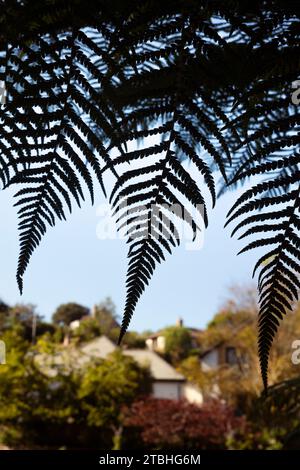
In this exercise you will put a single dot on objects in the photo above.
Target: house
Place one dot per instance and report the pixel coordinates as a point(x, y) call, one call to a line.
point(99, 347)
point(157, 341)
point(225, 352)
point(167, 383)
point(221, 354)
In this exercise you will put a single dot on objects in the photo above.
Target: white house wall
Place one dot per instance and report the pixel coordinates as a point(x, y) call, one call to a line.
point(161, 343)
point(192, 394)
point(167, 390)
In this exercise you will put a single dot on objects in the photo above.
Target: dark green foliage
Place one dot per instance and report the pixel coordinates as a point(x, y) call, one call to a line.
point(71, 406)
point(284, 397)
point(66, 313)
point(25, 317)
point(205, 82)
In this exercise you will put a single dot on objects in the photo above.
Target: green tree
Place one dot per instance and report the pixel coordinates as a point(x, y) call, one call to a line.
point(177, 343)
point(235, 325)
point(4, 313)
point(134, 340)
point(109, 387)
point(191, 369)
point(4, 307)
point(44, 404)
point(66, 313)
point(88, 329)
point(25, 315)
point(105, 314)
point(16, 386)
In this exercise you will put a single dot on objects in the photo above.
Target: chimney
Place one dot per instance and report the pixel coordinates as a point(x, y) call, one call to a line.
point(179, 322)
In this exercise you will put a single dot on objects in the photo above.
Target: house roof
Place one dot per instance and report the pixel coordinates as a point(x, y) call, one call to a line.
point(212, 348)
point(101, 347)
point(219, 343)
point(159, 368)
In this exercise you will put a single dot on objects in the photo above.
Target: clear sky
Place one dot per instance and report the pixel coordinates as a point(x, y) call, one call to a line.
point(72, 264)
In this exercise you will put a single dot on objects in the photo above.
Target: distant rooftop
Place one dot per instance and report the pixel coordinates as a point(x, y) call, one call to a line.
point(100, 348)
point(160, 369)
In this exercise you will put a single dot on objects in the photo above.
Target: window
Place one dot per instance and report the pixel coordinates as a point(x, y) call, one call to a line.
point(230, 356)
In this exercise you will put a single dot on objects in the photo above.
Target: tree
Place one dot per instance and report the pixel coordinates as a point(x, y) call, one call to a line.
point(105, 314)
point(239, 384)
point(71, 406)
point(211, 81)
point(25, 315)
point(178, 424)
point(135, 340)
point(3, 307)
point(66, 313)
point(206, 381)
point(88, 329)
point(281, 407)
point(109, 387)
point(16, 386)
point(177, 342)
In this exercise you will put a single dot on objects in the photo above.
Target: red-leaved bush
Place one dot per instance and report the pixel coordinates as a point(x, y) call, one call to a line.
point(170, 423)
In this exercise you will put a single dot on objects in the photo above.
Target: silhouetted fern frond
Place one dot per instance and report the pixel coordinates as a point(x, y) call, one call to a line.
point(52, 147)
point(157, 189)
point(159, 86)
point(149, 199)
point(275, 226)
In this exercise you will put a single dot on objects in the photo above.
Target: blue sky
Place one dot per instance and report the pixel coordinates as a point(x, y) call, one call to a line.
point(72, 264)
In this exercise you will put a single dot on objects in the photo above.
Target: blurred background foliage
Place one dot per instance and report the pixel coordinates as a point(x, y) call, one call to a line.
point(107, 404)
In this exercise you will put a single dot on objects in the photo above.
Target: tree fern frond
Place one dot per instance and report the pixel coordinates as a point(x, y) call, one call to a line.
point(148, 197)
point(52, 147)
point(162, 94)
point(278, 280)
